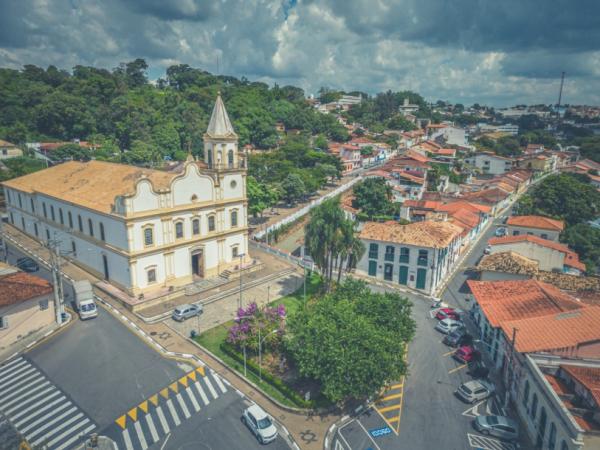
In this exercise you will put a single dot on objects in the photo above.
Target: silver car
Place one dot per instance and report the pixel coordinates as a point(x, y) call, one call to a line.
point(473, 391)
point(499, 426)
point(448, 325)
point(260, 423)
point(186, 311)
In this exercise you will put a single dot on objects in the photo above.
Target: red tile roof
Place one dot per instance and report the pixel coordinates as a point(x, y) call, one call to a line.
point(422, 204)
point(589, 377)
point(544, 223)
point(462, 204)
point(510, 300)
point(20, 286)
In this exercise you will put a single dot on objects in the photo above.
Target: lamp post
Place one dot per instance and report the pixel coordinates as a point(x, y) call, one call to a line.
point(241, 255)
point(260, 341)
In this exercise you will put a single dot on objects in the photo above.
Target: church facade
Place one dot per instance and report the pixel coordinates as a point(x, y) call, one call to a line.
point(139, 228)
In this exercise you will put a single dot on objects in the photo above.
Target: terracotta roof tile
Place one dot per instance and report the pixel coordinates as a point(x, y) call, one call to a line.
point(423, 234)
point(589, 377)
point(544, 223)
point(20, 286)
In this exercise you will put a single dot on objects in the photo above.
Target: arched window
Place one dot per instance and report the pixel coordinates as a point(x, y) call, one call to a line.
point(60, 216)
point(151, 275)
point(148, 236)
point(91, 227)
point(230, 159)
point(102, 232)
point(35, 229)
point(196, 226)
point(235, 251)
point(44, 209)
point(534, 404)
point(74, 249)
point(179, 230)
point(211, 223)
point(526, 394)
point(80, 223)
point(32, 205)
point(70, 217)
point(52, 213)
point(194, 198)
point(552, 437)
point(234, 218)
point(209, 158)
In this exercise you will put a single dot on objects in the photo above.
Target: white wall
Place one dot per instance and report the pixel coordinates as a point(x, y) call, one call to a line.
point(494, 166)
point(522, 231)
point(548, 258)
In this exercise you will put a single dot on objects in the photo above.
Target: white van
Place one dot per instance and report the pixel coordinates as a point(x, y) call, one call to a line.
point(84, 300)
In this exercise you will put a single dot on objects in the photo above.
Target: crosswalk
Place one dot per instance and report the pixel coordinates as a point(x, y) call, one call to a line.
point(37, 409)
point(145, 424)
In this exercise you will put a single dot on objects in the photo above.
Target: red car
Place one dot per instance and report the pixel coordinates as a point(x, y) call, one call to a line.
point(447, 313)
point(466, 354)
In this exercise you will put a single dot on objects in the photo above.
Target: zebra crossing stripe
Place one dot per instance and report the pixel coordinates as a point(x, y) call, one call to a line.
point(77, 436)
point(49, 424)
point(193, 399)
point(201, 392)
point(10, 376)
point(22, 381)
point(12, 363)
point(163, 420)
point(37, 388)
point(173, 413)
point(13, 377)
point(41, 419)
point(219, 383)
point(186, 411)
point(211, 388)
point(150, 423)
point(10, 411)
point(68, 432)
point(140, 435)
point(35, 405)
point(127, 439)
point(10, 368)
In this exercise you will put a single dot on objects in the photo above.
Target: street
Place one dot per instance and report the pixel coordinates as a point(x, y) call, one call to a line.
point(98, 376)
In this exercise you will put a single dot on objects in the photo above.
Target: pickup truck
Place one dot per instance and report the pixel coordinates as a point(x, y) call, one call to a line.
point(84, 300)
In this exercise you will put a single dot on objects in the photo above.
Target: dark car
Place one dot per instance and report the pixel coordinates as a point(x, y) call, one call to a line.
point(27, 265)
point(458, 338)
point(477, 369)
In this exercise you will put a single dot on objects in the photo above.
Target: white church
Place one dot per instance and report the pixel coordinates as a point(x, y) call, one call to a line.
point(140, 228)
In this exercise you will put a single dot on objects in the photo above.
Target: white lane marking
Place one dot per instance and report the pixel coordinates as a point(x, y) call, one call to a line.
point(11, 378)
point(10, 411)
point(5, 393)
point(140, 435)
point(173, 413)
point(201, 392)
point(211, 388)
point(186, 411)
point(127, 439)
point(153, 431)
point(193, 399)
point(368, 434)
point(47, 425)
point(71, 430)
point(12, 363)
point(6, 372)
point(219, 383)
point(77, 436)
point(20, 397)
point(47, 416)
point(163, 420)
point(35, 405)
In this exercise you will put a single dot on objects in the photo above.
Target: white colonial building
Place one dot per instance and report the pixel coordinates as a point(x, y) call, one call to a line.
point(142, 228)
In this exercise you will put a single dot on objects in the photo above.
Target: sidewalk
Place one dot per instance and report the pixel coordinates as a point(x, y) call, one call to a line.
point(307, 430)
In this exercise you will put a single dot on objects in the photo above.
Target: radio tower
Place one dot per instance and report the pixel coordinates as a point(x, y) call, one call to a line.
point(562, 82)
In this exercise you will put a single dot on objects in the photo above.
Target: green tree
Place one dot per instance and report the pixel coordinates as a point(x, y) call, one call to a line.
point(71, 152)
point(373, 197)
point(352, 341)
point(293, 189)
point(585, 241)
point(260, 196)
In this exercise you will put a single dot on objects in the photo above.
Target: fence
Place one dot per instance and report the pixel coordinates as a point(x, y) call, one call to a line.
point(304, 210)
point(302, 262)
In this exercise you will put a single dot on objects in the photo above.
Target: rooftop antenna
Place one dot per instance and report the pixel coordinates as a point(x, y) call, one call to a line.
point(562, 82)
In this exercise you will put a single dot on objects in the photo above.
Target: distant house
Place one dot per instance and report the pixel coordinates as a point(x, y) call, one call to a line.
point(540, 226)
point(417, 255)
point(8, 150)
point(490, 163)
point(407, 108)
point(25, 306)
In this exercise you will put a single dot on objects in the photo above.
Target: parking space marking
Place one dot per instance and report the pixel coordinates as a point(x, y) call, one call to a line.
point(391, 397)
point(486, 443)
point(389, 408)
point(449, 353)
point(396, 386)
point(456, 369)
point(368, 434)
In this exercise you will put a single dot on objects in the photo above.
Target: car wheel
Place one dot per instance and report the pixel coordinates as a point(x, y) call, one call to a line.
point(260, 439)
point(244, 421)
point(486, 432)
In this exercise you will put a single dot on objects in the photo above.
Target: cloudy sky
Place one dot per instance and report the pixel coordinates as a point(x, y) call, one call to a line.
point(499, 52)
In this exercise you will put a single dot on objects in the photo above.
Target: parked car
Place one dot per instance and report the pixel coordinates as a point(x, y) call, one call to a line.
point(438, 303)
point(473, 391)
point(465, 354)
point(448, 325)
point(499, 426)
point(501, 231)
point(487, 250)
point(184, 312)
point(27, 265)
point(458, 338)
point(260, 423)
point(477, 369)
point(447, 313)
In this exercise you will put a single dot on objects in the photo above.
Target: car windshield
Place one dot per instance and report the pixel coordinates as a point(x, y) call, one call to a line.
point(466, 389)
point(178, 311)
point(264, 423)
point(492, 420)
point(88, 307)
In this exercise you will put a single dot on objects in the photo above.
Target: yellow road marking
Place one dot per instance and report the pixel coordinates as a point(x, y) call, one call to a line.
point(184, 380)
point(121, 421)
point(144, 406)
point(456, 369)
point(390, 397)
point(133, 413)
point(388, 408)
point(449, 353)
point(174, 387)
point(165, 393)
point(200, 370)
point(396, 386)
point(154, 399)
point(192, 375)
point(393, 419)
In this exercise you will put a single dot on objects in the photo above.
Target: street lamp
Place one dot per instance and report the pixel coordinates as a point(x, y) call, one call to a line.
point(241, 255)
point(260, 341)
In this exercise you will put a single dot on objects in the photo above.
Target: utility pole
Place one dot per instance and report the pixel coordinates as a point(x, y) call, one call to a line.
point(56, 278)
point(510, 375)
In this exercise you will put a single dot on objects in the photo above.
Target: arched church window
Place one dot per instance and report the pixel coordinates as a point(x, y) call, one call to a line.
point(230, 159)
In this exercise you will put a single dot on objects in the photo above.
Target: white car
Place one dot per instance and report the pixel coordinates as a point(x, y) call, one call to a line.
point(448, 325)
point(475, 390)
point(260, 423)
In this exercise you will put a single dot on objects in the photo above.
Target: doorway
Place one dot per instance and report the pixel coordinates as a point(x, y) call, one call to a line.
point(421, 277)
point(197, 264)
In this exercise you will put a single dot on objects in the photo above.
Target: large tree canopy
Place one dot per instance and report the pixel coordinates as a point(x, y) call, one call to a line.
point(352, 340)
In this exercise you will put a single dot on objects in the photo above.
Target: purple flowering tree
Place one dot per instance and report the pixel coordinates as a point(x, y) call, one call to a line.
point(245, 330)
